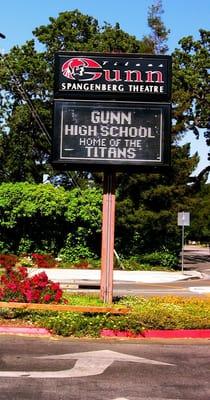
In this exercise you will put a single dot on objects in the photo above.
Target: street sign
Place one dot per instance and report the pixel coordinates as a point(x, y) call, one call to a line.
point(119, 76)
point(183, 218)
point(111, 133)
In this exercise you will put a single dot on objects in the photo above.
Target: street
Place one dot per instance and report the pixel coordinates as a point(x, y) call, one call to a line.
point(196, 258)
point(51, 369)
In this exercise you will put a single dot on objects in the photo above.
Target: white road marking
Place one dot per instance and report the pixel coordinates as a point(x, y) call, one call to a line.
point(121, 398)
point(143, 398)
point(88, 363)
point(200, 289)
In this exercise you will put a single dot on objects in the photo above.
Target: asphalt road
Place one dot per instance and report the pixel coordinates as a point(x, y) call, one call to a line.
point(192, 287)
point(46, 369)
point(195, 258)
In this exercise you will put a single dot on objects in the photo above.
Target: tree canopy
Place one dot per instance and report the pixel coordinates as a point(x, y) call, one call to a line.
point(147, 203)
point(26, 77)
point(191, 98)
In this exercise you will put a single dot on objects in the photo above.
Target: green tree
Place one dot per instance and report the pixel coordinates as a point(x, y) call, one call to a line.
point(26, 77)
point(24, 101)
point(191, 99)
point(147, 203)
point(160, 33)
point(199, 229)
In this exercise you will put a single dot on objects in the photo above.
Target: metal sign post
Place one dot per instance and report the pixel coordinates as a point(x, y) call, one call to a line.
point(107, 247)
point(183, 220)
point(182, 248)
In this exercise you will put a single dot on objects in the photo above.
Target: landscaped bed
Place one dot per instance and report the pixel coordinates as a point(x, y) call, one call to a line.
point(36, 300)
point(144, 314)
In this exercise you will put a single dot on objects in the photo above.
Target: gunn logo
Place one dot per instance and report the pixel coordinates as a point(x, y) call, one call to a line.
point(87, 69)
point(81, 69)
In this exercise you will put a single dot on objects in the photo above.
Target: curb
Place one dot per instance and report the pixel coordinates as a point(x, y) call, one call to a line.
point(24, 331)
point(109, 333)
point(159, 334)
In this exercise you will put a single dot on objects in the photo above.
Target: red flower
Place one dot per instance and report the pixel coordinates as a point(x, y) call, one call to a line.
point(54, 286)
point(58, 296)
point(47, 298)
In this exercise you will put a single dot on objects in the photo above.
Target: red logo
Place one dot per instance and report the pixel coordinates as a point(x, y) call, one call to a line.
point(81, 69)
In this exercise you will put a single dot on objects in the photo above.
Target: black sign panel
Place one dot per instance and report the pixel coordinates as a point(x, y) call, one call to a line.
point(111, 133)
point(113, 76)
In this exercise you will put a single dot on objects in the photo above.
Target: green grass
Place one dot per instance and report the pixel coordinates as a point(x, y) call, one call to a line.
point(83, 299)
point(146, 313)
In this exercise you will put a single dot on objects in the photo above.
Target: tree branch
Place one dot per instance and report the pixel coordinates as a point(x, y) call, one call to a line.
point(196, 180)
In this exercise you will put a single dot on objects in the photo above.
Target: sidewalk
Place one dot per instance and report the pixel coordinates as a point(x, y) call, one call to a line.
point(196, 262)
point(77, 276)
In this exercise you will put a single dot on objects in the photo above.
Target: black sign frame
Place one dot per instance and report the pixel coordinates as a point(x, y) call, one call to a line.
point(80, 108)
point(119, 76)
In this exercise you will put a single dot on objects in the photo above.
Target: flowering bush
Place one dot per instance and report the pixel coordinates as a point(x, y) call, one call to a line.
point(17, 286)
point(25, 261)
point(44, 260)
point(8, 261)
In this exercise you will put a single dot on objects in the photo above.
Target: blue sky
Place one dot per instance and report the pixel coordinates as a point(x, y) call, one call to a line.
point(18, 18)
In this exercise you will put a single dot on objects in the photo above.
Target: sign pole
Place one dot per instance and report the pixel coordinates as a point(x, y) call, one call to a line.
point(107, 247)
point(182, 248)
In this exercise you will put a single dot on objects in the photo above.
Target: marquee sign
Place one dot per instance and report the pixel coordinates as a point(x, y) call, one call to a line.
point(111, 133)
point(114, 76)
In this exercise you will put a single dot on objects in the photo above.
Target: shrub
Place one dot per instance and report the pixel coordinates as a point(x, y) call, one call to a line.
point(25, 246)
point(44, 260)
point(76, 248)
point(8, 261)
point(133, 264)
point(25, 261)
point(158, 260)
point(83, 324)
point(162, 258)
point(4, 247)
point(17, 286)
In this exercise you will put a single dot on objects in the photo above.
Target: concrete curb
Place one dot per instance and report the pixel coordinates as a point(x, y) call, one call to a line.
point(109, 333)
point(159, 334)
point(24, 331)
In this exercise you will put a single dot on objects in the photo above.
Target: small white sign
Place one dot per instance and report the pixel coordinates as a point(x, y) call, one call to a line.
point(183, 218)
